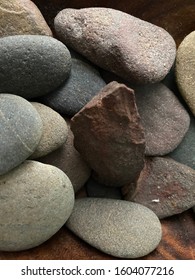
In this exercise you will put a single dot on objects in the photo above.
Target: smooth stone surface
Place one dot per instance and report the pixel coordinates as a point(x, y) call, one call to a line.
point(82, 84)
point(109, 135)
point(185, 70)
point(95, 189)
point(163, 117)
point(134, 49)
point(185, 152)
point(19, 17)
point(165, 186)
point(69, 160)
point(35, 202)
point(21, 130)
point(32, 65)
point(55, 131)
point(116, 227)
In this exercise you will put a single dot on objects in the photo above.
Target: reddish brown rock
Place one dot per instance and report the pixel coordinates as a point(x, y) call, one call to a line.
point(109, 135)
point(165, 186)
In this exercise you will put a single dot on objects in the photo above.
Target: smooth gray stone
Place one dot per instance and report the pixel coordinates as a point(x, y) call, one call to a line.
point(35, 201)
point(32, 65)
point(83, 83)
point(21, 131)
point(120, 228)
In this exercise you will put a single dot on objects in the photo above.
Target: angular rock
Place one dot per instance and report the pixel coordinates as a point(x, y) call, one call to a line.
point(109, 135)
point(136, 50)
point(165, 186)
point(21, 130)
point(163, 117)
point(55, 131)
point(185, 70)
point(68, 159)
point(35, 201)
point(185, 152)
point(19, 17)
point(116, 227)
point(32, 65)
point(82, 84)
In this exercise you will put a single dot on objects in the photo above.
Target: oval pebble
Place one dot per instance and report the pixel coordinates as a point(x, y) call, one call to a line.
point(32, 65)
point(116, 227)
point(55, 131)
point(136, 50)
point(21, 131)
point(35, 202)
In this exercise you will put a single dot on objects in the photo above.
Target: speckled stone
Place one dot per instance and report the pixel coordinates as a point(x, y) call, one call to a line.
point(19, 17)
point(32, 65)
point(136, 50)
point(109, 135)
point(35, 202)
point(55, 131)
point(21, 130)
point(163, 117)
point(68, 159)
point(185, 152)
point(185, 70)
point(165, 186)
point(82, 84)
point(116, 227)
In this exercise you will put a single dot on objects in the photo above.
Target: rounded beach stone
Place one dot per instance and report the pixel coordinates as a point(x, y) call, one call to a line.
point(35, 201)
point(32, 65)
point(163, 117)
point(82, 84)
point(55, 131)
point(120, 228)
point(21, 130)
point(68, 159)
point(21, 17)
point(136, 50)
point(185, 70)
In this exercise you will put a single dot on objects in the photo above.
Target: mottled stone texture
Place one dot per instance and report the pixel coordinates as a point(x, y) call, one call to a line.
point(130, 47)
point(165, 186)
point(109, 135)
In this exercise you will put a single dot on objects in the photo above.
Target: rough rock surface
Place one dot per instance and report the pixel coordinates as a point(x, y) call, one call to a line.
point(163, 117)
point(35, 201)
point(19, 17)
point(130, 47)
point(116, 227)
point(165, 186)
point(185, 70)
point(21, 130)
point(32, 65)
point(55, 131)
point(109, 135)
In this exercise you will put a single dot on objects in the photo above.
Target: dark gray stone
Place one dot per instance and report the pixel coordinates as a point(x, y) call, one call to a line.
point(32, 65)
point(120, 228)
point(21, 130)
point(82, 84)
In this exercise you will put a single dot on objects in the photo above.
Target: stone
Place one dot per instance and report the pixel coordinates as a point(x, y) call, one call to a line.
point(35, 202)
point(185, 152)
point(185, 70)
point(163, 117)
point(165, 186)
point(82, 84)
point(136, 50)
point(32, 65)
point(69, 160)
point(21, 131)
point(18, 17)
point(55, 131)
point(95, 189)
point(109, 135)
point(119, 228)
